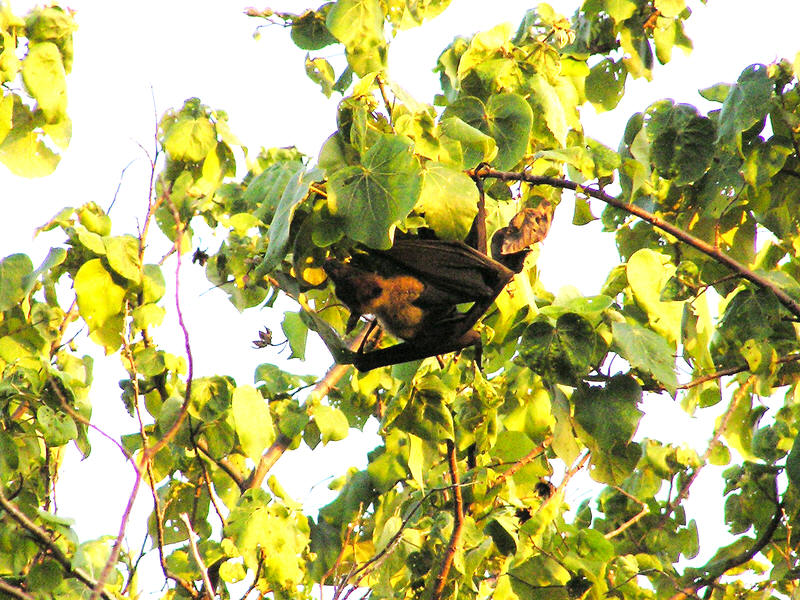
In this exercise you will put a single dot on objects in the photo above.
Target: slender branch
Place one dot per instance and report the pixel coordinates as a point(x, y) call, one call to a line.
point(222, 463)
point(696, 243)
point(683, 493)
point(458, 524)
point(732, 371)
point(268, 460)
point(282, 443)
point(196, 555)
point(14, 591)
point(528, 458)
point(633, 520)
point(735, 561)
point(115, 550)
point(165, 439)
point(43, 537)
point(389, 107)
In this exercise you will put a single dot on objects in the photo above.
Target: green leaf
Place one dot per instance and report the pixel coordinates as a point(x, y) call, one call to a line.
point(548, 108)
point(293, 194)
point(190, 139)
point(211, 397)
point(670, 8)
point(605, 84)
point(747, 103)
point(372, 197)
point(6, 110)
point(583, 212)
point(606, 419)
point(620, 10)
point(265, 191)
point(45, 79)
point(647, 351)
point(793, 463)
point(309, 31)
point(332, 423)
point(448, 201)
point(562, 353)
point(14, 273)
point(682, 141)
point(253, 421)
point(148, 315)
point(296, 332)
point(506, 117)
point(648, 273)
point(149, 362)
point(321, 72)
point(358, 24)
point(512, 446)
point(99, 297)
point(23, 150)
point(122, 254)
point(58, 428)
point(255, 524)
point(153, 285)
point(474, 145)
point(44, 577)
point(765, 160)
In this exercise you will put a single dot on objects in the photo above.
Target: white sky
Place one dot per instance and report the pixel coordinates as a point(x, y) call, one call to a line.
point(126, 54)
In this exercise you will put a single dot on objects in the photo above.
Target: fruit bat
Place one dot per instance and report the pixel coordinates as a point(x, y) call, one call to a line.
point(413, 290)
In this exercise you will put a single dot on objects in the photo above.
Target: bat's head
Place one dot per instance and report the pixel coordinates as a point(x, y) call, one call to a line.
point(355, 287)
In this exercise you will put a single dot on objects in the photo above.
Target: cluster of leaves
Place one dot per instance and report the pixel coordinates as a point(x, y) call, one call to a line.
point(457, 499)
point(35, 58)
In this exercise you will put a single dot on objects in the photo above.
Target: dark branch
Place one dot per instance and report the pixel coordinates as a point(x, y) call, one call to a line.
point(696, 243)
point(43, 538)
point(458, 524)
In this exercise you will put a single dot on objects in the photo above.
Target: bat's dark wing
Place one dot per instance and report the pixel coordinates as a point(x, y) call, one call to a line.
point(453, 273)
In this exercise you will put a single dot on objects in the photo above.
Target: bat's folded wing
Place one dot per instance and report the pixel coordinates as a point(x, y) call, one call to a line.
point(452, 272)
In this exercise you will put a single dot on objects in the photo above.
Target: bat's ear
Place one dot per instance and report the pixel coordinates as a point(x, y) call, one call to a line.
point(514, 261)
point(510, 245)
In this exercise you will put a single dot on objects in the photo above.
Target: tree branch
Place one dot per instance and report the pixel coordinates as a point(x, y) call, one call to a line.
point(734, 561)
point(43, 537)
point(634, 519)
point(732, 371)
point(458, 524)
point(14, 591)
point(196, 555)
point(791, 305)
point(282, 443)
point(718, 431)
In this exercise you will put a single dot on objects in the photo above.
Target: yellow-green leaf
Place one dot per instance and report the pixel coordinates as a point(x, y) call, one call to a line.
point(99, 297)
point(45, 79)
point(253, 421)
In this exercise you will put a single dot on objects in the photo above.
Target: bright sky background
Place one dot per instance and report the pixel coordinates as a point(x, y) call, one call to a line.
point(132, 54)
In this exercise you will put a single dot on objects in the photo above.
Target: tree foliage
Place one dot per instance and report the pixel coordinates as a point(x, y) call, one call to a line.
point(465, 497)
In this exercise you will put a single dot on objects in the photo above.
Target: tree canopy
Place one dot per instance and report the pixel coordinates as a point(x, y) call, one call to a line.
point(466, 494)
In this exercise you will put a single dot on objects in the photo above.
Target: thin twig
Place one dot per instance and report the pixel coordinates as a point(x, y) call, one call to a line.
point(683, 493)
point(115, 550)
point(14, 591)
point(196, 555)
point(43, 537)
point(734, 561)
point(528, 458)
point(165, 439)
point(458, 524)
point(633, 520)
point(732, 371)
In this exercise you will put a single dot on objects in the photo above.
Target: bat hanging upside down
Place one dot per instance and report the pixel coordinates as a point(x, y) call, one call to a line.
point(413, 289)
